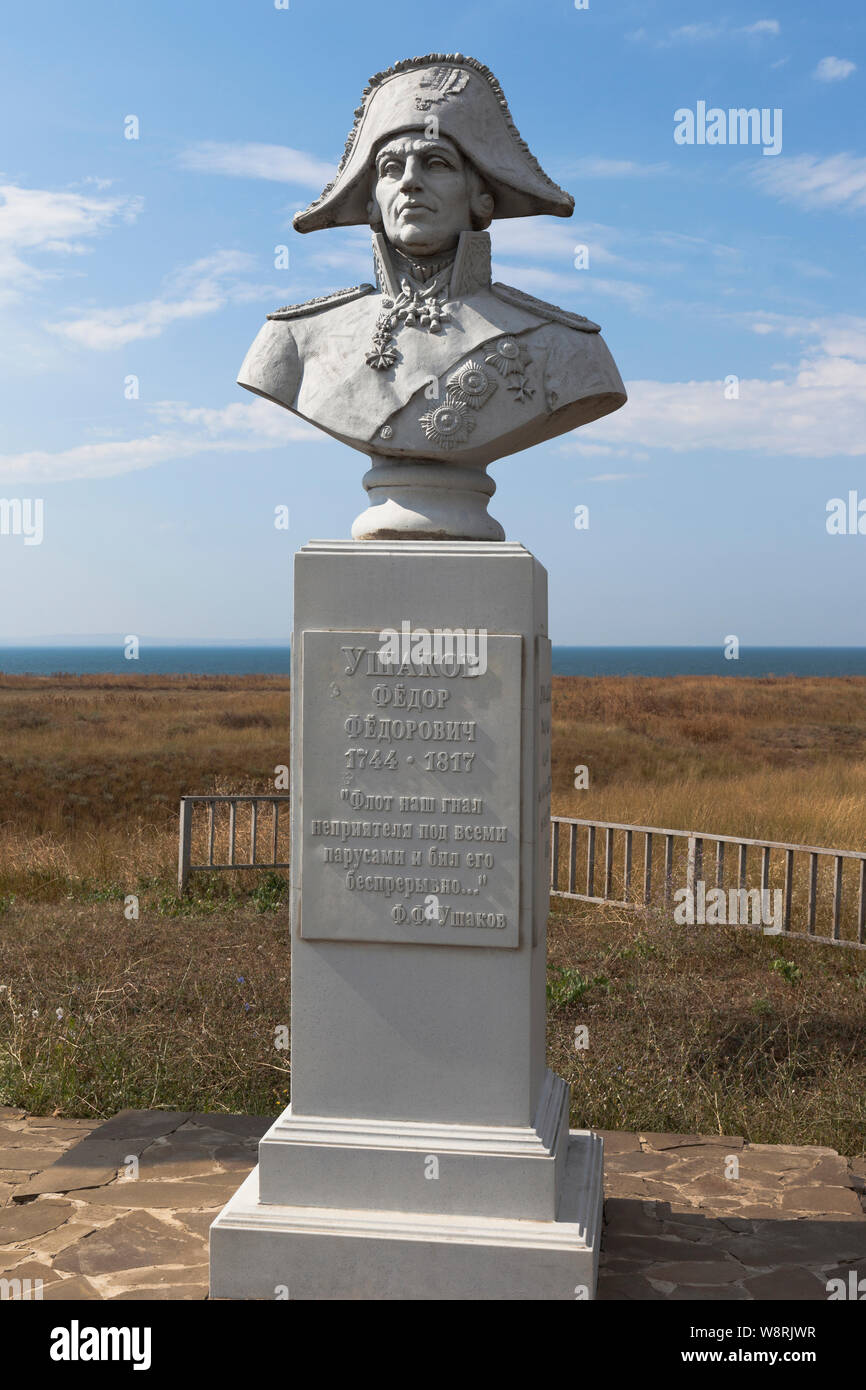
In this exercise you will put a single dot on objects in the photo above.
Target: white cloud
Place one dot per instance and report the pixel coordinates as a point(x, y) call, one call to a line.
point(192, 292)
point(837, 181)
point(834, 69)
point(93, 460)
point(613, 477)
point(39, 221)
point(763, 26)
point(623, 264)
point(279, 163)
point(556, 241)
point(345, 251)
point(816, 411)
point(357, 264)
point(843, 336)
point(556, 282)
point(550, 250)
point(262, 423)
point(557, 245)
point(707, 32)
point(240, 427)
point(811, 269)
point(697, 32)
point(112, 328)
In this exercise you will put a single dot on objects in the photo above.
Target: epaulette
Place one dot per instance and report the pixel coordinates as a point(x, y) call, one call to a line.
point(540, 306)
point(324, 301)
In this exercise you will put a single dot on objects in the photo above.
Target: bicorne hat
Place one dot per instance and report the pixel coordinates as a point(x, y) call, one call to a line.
point(470, 109)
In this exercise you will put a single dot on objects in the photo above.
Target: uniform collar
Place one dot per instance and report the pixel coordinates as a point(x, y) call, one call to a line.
point(423, 272)
point(470, 270)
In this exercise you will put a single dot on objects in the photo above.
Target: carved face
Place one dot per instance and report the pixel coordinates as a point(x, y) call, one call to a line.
point(426, 194)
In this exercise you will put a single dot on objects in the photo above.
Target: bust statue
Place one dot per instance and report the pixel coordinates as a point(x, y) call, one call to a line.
point(434, 371)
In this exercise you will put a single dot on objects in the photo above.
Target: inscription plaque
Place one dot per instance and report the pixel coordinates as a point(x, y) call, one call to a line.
point(410, 794)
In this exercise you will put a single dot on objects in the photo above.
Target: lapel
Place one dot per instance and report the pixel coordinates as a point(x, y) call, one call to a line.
point(341, 393)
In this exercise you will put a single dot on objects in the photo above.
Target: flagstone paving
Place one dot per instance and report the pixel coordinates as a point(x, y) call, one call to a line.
point(710, 1217)
point(121, 1210)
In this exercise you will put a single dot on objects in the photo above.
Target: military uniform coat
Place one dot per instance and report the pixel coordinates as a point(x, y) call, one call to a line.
point(458, 370)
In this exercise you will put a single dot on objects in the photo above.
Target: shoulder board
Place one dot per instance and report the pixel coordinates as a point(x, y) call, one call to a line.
point(541, 307)
point(324, 301)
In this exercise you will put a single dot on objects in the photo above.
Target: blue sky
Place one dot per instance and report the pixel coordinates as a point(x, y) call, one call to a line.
point(155, 258)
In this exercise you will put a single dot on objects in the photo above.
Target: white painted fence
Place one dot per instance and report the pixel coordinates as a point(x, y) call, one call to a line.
point(823, 891)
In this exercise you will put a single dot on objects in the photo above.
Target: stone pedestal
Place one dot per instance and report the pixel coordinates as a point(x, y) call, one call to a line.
point(426, 1153)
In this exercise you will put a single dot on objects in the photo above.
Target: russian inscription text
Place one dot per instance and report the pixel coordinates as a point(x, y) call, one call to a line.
point(392, 849)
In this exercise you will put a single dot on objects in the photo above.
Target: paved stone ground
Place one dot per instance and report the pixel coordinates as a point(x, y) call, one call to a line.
point(683, 1221)
point(74, 1214)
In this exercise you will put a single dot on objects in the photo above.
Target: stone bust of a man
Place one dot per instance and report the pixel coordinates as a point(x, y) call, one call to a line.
point(434, 371)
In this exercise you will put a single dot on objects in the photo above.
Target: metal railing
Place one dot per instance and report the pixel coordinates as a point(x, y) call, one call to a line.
point(833, 879)
point(219, 832)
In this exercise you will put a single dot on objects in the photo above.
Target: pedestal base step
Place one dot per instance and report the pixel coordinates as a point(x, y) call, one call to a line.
point(378, 1165)
point(260, 1251)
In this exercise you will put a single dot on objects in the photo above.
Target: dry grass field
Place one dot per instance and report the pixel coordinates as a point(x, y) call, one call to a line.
point(689, 1029)
point(92, 770)
point(92, 767)
point(775, 758)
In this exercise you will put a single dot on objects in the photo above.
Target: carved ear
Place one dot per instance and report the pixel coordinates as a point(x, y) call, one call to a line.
point(374, 216)
point(482, 206)
point(481, 202)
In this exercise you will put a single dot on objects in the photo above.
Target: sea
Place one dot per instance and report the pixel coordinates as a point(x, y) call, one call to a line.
point(243, 659)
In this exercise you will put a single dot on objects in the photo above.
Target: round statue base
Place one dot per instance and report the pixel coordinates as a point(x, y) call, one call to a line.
point(426, 501)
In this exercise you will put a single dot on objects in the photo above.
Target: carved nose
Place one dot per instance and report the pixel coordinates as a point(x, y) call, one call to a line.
point(410, 179)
